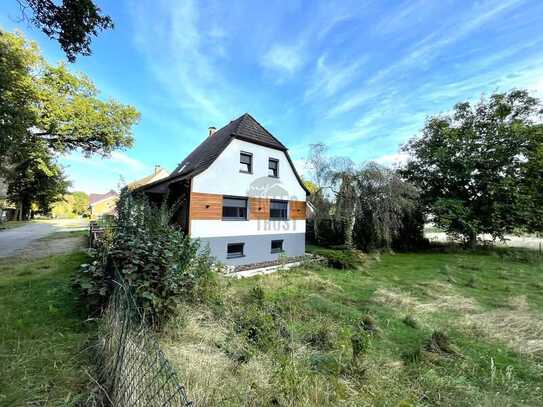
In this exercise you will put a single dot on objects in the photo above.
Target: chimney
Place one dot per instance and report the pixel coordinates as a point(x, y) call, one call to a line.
point(157, 169)
point(211, 131)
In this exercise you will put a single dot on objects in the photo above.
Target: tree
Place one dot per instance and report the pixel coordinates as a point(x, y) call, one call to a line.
point(47, 110)
point(80, 204)
point(72, 23)
point(480, 169)
point(387, 209)
point(37, 180)
point(321, 171)
point(345, 189)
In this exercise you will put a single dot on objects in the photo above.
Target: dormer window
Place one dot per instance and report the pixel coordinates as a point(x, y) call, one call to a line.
point(273, 167)
point(246, 162)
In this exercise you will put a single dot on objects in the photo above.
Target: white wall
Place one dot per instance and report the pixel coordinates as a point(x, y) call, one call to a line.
point(212, 228)
point(223, 176)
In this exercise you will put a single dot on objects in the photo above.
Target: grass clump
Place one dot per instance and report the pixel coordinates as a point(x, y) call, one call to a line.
point(410, 321)
point(440, 343)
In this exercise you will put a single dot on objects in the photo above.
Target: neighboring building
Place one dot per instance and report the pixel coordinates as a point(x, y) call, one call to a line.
point(102, 204)
point(239, 193)
point(158, 174)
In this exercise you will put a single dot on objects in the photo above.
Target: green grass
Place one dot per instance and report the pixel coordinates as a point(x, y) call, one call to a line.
point(42, 335)
point(288, 338)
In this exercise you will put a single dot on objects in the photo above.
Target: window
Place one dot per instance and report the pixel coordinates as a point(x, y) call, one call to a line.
point(273, 167)
point(276, 246)
point(246, 161)
point(278, 209)
point(234, 208)
point(234, 250)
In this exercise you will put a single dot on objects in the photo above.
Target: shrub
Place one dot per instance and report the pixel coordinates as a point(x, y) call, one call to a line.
point(160, 265)
point(257, 326)
point(343, 259)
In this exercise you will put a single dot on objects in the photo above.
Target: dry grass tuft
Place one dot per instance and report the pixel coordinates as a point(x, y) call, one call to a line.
point(441, 299)
point(516, 325)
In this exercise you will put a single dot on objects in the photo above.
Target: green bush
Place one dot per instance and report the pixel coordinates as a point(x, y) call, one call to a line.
point(257, 326)
point(161, 266)
point(342, 259)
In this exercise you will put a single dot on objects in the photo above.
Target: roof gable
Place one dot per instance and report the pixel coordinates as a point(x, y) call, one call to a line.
point(245, 128)
point(95, 198)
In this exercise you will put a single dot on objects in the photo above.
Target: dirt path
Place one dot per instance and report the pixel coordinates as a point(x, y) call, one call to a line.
point(25, 240)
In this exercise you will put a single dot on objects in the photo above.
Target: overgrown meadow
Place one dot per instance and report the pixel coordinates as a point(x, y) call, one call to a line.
point(441, 327)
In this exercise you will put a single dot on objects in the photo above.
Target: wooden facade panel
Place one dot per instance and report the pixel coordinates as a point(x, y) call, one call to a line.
point(205, 206)
point(259, 208)
point(297, 210)
point(209, 207)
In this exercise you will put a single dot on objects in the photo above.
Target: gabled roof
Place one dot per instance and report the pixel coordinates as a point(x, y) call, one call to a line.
point(244, 128)
point(158, 174)
point(95, 198)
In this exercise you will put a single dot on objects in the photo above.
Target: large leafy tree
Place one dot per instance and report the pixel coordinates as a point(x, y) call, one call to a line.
point(71, 22)
point(47, 110)
point(480, 169)
point(39, 181)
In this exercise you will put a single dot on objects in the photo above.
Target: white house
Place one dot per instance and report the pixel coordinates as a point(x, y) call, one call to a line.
point(239, 193)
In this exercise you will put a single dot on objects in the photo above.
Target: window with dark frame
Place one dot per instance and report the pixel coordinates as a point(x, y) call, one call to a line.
point(277, 246)
point(273, 167)
point(246, 162)
point(234, 250)
point(278, 209)
point(234, 208)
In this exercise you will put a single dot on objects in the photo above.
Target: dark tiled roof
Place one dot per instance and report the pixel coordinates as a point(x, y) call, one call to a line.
point(93, 198)
point(244, 128)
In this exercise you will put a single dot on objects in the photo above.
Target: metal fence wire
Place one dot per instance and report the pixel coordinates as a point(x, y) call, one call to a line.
point(134, 369)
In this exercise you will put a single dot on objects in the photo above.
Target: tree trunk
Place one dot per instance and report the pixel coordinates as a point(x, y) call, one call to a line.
point(25, 209)
point(471, 243)
point(316, 229)
point(19, 211)
point(349, 227)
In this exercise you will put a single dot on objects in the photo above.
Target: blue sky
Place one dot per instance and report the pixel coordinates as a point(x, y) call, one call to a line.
point(358, 76)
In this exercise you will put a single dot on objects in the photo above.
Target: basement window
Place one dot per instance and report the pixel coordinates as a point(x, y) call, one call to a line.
point(234, 250)
point(277, 246)
point(234, 208)
point(246, 162)
point(278, 210)
point(273, 168)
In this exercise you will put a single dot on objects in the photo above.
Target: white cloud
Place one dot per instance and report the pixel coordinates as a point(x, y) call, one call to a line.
point(182, 55)
point(391, 160)
point(283, 58)
point(123, 159)
point(328, 79)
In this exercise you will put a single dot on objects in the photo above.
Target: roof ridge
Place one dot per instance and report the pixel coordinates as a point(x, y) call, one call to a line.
point(245, 115)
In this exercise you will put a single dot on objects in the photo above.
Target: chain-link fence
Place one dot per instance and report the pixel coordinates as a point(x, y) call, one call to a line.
point(134, 370)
